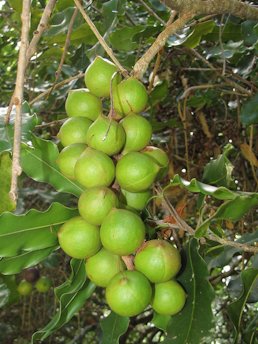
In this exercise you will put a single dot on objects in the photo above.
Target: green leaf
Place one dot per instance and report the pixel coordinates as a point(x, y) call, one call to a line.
point(113, 326)
point(123, 39)
point(6, 204)
point(11, 285)
point(236, 308)
point(32, 231)
point(161, 321)
point(72, 296)
point(219, 171)
point(4, 294)
point(229, 32)
point(29, 121)
point(232, 210)
point(14, 265)
point(221, 192)
point(200, 30)
point(249, 111)
point(159, 93)
point(224, 257)
point(195, 320)
point(39, 163)
point(110, 10)
point(16, 5)
point(249, 34)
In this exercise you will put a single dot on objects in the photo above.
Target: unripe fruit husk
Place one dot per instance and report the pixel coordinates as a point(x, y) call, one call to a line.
point(98, 76)
point(24, 288)
point(136, 200)
point(103, 266)
point(169, 298)
point(82, 103)
point(74, 130)
point(106, 135)
point(160, 157)
point(158, 260)
point(95, 204)
point(122, 232)
point(94, 168)
point(135, 172)
point(68, 157)
point(43, 284)
point(78, 238)
point(138, 133)
point(128, 293)
point(129, 97)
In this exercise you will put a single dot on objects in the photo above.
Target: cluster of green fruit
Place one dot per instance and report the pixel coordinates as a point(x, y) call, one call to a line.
point(32, 278)
point(113, 151)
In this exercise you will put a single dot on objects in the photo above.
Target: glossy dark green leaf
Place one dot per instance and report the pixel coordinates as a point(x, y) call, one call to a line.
point(4, 294)
point(32, 231)
point(11, 285)
point(194, 322)
point(159, 93)
point(15, 264)
point(72, 296)
point(113, 326)
point(110, 10)
point(249, 111)
point(39, 162)
point(236, 308)
point(219, 171)
point(249, 33)
point(199, 30)
point(229, 32)
point(6, 203)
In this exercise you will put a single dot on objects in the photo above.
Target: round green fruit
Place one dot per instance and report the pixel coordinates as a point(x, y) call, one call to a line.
point(102, 267)
point(43, 284)
point(74, 130)
point(94, 168)
point(95, 204)
point(128, 293)
point(135, 172)
point(169, 298)
point(136, 200)
point(160, 157)
point(122, 232)
point(106, 136)
point(78, 238)
point(82, 103)
point(68, 157)
point(129, 96)
point(158, 260)
point(24, 288)
point(98, 76)
point(138, 133)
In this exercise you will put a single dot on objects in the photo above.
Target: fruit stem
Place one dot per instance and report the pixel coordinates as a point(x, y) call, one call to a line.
point(128, 260)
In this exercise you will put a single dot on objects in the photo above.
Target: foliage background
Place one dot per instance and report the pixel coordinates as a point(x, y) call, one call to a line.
point(203, 109)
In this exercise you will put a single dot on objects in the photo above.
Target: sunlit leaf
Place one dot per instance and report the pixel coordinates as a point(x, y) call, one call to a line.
point(113, 326)
point(6, 203)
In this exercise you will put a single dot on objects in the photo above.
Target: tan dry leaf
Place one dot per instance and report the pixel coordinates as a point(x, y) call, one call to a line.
point(248, 154)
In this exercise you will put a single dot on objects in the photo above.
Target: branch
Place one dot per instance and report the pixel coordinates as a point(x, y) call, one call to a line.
point(186, 228)
point(142, 64)
point(101, 40)
point(66, 46)
point(17, 97)
point(40, 29)
point(58, 85)
point(234, 7)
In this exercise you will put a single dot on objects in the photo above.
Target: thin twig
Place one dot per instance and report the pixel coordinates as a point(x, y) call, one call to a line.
point(66, 46)
point(143, 63)
point(18, 98)
point(150, 10)
point(185, 227)
point(40, 29)
point(58, 85)
point(101, 40)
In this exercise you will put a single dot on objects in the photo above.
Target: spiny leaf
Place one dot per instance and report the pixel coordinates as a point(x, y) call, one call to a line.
point(113, 327)
point(6, 204)
point(236, 308)
point(196, 319)
point(15, 264)
point(72, 296)
point(32, 231)
point(39, 163)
